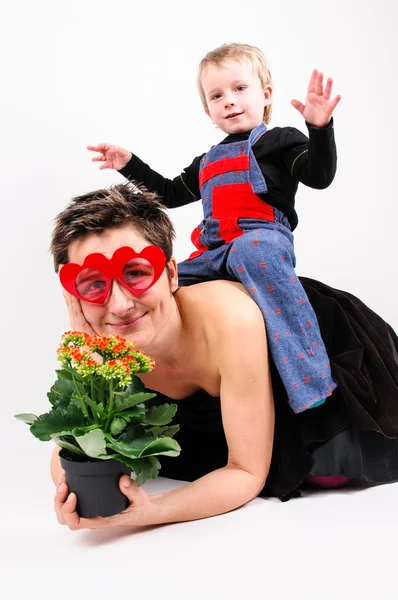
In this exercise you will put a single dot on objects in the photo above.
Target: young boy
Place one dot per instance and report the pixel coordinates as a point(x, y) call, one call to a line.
point(247, 184)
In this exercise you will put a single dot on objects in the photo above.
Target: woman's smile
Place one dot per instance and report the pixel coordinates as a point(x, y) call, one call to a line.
point(129, 324)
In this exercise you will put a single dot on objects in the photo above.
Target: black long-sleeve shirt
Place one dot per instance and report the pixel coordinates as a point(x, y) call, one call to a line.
point(285, 156)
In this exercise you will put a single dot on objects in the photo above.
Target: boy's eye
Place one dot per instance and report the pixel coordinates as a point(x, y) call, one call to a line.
point(215, 96)
point(240, 88)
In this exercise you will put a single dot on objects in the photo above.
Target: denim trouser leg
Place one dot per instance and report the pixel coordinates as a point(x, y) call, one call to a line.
point(263, 260)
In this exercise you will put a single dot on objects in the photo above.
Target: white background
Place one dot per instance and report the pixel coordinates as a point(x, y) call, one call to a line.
point(85, 72)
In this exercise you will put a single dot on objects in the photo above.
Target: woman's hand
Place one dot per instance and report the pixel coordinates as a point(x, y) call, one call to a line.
point(318, 108)
point(78, 321)
point(112, 157)
point(135, 515)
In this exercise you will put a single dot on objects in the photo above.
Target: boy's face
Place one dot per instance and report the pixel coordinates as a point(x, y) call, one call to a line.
point(235, 96)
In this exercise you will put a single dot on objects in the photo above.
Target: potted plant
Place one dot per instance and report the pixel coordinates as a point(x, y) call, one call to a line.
point(101, 420)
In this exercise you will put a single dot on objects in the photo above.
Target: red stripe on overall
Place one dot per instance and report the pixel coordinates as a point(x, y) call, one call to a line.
point(225, 165)
point(238, 201)
point(231, 202)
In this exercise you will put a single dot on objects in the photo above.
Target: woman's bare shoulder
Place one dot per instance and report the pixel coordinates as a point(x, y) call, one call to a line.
point(222, 301)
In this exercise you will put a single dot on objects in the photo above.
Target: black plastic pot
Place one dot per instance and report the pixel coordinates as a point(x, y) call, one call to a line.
point(95, 483)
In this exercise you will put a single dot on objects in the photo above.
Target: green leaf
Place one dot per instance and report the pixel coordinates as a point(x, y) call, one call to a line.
point(80, 431)
point(65, 402)
point(164, 445)
point(161, 414)
point(163, 431)
point(125, 400)
point(52, 397)
point(64, 374)
point(59, 419)
point(68, 444)
point(146, 446)
point(64, 387)
point(144, 468)
point(136, 385)
point(132, 433)
point(92, 443)
point(117, 426)
point(28, 418)
point(129, 415)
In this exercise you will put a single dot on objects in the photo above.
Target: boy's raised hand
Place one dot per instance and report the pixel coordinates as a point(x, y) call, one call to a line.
point(318, 107)
point(112, 157)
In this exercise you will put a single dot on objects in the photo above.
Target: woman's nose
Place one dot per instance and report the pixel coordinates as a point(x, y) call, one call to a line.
point(120, 300)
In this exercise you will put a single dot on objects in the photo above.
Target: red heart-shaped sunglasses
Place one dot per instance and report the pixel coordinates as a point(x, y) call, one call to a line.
point(92, 280)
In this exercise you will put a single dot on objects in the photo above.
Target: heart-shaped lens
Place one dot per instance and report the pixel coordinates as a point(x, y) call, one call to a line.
point(90, 284)
point(138, 273)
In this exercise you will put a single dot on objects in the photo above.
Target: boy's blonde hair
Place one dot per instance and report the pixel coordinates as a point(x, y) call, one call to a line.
point(238, 52)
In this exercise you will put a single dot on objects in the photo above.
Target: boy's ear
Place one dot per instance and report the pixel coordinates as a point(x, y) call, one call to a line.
point(267, 94)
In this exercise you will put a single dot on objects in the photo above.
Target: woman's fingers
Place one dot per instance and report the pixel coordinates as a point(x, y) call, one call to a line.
point(69, 514)
point(65, 509)
point(65, 506)
point(72, 310)
point(77, 319)
point(61, 495)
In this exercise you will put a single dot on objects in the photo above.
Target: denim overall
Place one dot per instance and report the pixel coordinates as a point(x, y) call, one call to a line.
point(243, 238)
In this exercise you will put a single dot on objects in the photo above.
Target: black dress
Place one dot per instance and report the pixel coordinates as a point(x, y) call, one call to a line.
point(354, 433)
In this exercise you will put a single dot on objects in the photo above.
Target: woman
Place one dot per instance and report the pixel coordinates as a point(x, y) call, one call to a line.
point(210, 349)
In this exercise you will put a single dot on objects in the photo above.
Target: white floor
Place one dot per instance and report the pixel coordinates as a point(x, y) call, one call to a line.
point(327, 544)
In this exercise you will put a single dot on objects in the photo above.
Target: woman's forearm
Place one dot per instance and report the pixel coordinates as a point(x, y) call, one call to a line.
point(216, 493)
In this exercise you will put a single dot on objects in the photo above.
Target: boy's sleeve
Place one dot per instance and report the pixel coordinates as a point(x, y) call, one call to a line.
point(312, 160)
point(173, 192)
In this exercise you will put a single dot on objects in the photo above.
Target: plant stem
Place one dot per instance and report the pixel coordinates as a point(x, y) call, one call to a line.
point(101, 394)
point(110, 406)
point(82, 402)
point(93, 411)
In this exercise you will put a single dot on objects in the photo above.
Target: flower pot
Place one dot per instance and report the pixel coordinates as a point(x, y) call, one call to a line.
point(95, 483)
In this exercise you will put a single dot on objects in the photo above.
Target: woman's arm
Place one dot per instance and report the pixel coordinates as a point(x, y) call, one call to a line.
point(248, 418)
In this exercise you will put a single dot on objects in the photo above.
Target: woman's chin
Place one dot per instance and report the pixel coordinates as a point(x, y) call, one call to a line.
point(138, 337)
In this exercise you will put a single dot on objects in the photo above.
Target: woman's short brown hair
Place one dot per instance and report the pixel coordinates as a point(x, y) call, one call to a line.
point(118, 206)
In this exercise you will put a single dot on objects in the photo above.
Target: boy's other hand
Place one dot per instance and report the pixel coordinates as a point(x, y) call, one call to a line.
point(112, 157)
point(318, 107)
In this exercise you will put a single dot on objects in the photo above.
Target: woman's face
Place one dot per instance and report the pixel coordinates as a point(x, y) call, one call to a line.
point(139, 319)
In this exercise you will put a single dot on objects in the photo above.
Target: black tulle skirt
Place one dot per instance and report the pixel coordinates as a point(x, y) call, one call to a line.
point(354, 434)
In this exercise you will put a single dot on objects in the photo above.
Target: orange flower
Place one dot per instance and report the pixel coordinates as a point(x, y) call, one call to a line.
point(120, 359)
